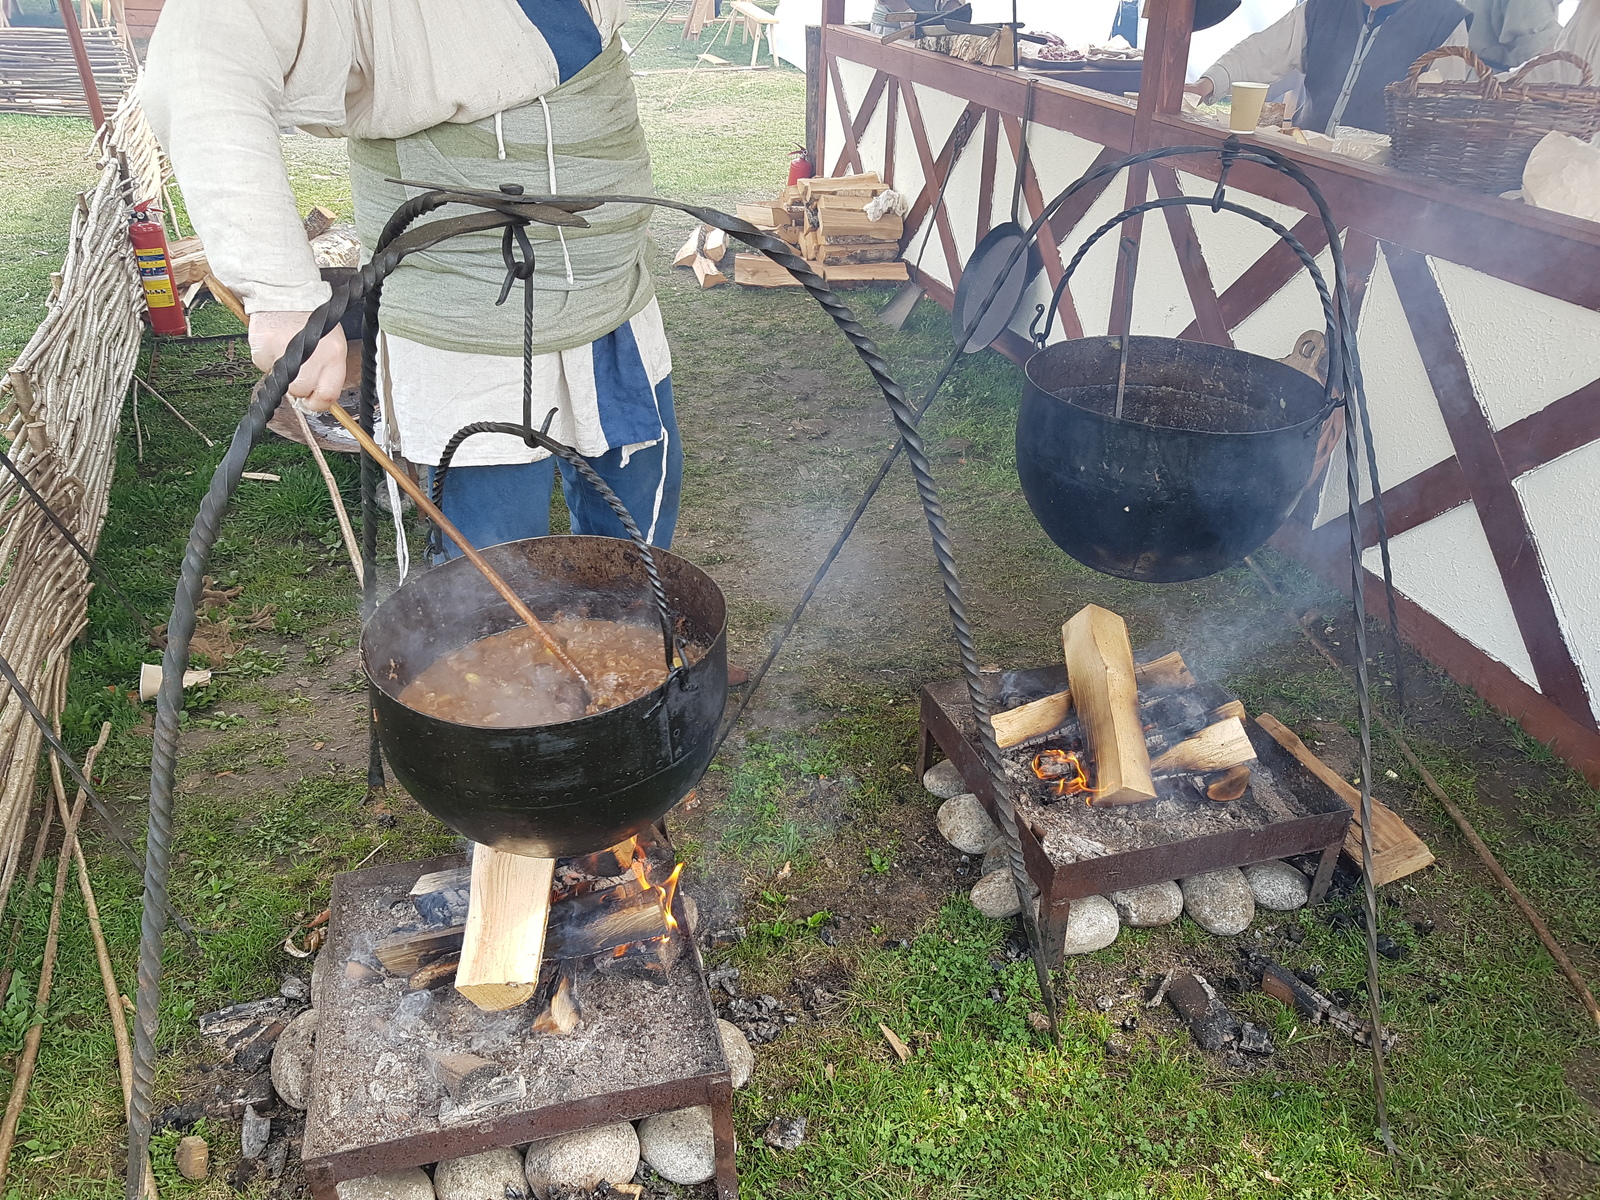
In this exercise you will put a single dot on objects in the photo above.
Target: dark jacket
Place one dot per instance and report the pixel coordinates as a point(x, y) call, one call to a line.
point(1403, 32)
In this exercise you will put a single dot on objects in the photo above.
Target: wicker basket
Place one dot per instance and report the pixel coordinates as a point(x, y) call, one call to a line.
point(1478, 134)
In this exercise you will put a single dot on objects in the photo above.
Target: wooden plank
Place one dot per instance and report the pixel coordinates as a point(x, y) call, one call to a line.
point(1264, 278)
point(1099, 662)
point(1396, 850)
point(1192, 261)
point(504, 936)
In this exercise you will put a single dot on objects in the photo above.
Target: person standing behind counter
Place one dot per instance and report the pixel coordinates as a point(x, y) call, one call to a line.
point(1349, 50)
point(1507, 33)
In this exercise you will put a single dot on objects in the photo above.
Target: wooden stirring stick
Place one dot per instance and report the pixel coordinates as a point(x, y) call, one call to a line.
point(443, 522)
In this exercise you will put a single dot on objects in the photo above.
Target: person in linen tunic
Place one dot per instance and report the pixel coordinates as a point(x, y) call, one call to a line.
point(474, 93)
point(1349, 51)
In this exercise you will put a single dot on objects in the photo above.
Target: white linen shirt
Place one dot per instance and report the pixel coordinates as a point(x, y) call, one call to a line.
point(224, 76)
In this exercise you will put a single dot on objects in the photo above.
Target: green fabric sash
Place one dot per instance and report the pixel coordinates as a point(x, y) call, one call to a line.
point(445, 298)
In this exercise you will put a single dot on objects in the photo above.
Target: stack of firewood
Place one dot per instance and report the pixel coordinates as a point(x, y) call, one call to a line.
point(827, 221)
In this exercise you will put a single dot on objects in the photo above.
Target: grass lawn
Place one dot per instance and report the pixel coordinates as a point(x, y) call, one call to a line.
point(811, 832)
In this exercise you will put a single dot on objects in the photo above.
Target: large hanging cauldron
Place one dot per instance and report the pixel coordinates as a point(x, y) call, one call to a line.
point(1212, 450)
point(550, 790)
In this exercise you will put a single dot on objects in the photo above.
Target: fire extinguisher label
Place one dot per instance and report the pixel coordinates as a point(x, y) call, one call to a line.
point(158, 290)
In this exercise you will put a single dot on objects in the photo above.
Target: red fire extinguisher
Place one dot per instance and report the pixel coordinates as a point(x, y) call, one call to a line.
point(799, 166)
point(149, 241)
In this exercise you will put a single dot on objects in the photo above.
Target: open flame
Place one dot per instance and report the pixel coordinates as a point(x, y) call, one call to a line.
point(665, 893)
point(1065, 770)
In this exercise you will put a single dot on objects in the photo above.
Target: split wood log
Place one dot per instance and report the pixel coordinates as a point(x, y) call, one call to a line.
point(762, 216)
point(707, 272)
point(1049, 712)
point(757, 270)
point(402, 953)
point(1215, 748)
point(1099, 662)
point(223, 296)
point(1233, 708)
point(317, 222)
point(435, 973)
point(816, 249)
point(503, 942)
point(843, 202)
point(867, 184)
point(893, 272)
point(847, 221)
point(716, 244)
point(690, 250)
point(561, 1015)
point(1396, 850)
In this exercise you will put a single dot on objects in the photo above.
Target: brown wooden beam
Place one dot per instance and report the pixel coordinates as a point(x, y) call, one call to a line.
point(1264, 278)
point(1489, 480)
point(932, 176)
point(1196, 274)
point(1576, 742)
point(1531, 247)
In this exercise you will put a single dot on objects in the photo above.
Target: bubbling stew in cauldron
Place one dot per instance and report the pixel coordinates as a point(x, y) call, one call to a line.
point(510, 680)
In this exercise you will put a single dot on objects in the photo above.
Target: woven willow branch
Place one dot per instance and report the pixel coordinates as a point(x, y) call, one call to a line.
point(60, 407)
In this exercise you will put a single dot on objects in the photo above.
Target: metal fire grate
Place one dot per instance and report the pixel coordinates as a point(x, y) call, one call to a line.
point(645, 1045)
point(1073, 850)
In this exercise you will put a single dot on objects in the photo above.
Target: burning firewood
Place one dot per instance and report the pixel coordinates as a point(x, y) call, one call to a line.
point(1229, 785)
point(1099, 661)
point(1040, 716)
point(1217, 747)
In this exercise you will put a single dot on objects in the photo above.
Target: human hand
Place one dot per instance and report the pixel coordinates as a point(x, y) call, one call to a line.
point(1201, 89)
point(321, 379)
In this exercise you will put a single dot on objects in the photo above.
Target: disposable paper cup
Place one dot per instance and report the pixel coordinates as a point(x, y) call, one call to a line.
point(1247, 101)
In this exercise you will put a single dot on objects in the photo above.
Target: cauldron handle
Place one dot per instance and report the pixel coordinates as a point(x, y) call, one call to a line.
point(538, 437)
point(1333, 397)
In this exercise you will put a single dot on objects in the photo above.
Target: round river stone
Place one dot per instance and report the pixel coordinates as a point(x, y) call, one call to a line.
point(741, 1059)
point(1277, 885)
point(679, 1145)
point(1092, 925)
point(966, 826)
point(579, 1161)
point(291, 1060)
point(492, 1175)
point(1149, 906)
point(943, 780)
point(411, 1184)
point(1220, 902)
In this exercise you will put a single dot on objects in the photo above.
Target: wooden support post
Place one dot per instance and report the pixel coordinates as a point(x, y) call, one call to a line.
point(1100, 671)
point(504, 938)
point(91, 93)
